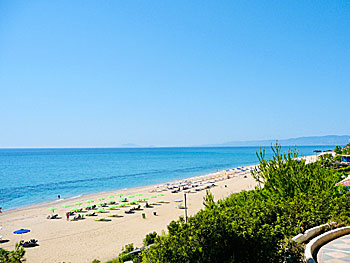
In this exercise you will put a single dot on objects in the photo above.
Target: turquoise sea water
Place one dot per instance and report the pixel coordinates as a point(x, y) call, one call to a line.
point(31, 176)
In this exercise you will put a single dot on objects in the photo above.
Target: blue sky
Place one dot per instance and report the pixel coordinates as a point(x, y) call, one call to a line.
point(171, 73)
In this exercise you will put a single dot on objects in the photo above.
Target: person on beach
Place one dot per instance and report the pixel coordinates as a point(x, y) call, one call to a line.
point(0, 209)
point(59, 196)
point(67, 215)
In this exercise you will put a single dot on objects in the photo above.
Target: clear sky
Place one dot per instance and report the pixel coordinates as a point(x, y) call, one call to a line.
point(171, 73)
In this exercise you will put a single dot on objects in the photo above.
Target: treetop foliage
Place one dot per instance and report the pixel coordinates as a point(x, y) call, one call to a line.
point(257, 225)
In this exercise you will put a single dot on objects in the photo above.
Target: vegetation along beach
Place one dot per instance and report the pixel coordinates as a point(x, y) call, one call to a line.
point(99, 225)
point(174, 131)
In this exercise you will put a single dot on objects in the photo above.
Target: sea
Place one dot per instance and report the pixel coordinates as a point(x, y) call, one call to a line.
point(34, 176)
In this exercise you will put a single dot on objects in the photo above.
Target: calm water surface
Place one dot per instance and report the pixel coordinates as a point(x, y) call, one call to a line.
point(31, 176)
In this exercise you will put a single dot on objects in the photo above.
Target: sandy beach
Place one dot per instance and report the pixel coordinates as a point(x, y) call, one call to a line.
point(62, 240)
point(85, 240)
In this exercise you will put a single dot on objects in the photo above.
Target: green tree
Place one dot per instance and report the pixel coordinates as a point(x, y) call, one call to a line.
point(150, 238)
point(294, 196)
point(338, 150)
point(15, 256)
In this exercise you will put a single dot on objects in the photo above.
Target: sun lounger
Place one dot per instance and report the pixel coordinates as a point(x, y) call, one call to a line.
point(91, 214)
point(148, 206)
point(136, 208)
point(77, 217)
point(52, 216)
point(114, 215)
point(101, 219)
point(30, 243)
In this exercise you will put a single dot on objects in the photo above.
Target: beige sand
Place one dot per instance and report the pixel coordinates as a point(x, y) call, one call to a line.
point(86, 240)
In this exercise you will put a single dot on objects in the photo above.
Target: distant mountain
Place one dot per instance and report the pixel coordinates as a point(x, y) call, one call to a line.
point(340, 140)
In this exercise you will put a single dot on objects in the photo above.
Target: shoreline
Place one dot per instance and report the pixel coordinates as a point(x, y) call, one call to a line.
point(69, 199)
point(24, 194)
point(83, 241)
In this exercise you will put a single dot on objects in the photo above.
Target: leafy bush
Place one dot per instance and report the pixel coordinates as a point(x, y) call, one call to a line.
point(149, 240)
point(256, 226)
point(338, 150)
point(15, 256)
point(125, 255)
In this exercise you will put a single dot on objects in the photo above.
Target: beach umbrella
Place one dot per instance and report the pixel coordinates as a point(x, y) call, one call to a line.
point(88, 206)
point(65, 206)
point(138, 194)
point(21, 231)
point(145, 199)
point(112, 207)
point(131, 196)
point(100, 203)
point(160, 194)
point(111, 201)
point(153, 196)
point(100, 210)
point(120, 194)
point(90, 201)
point(101, 198)
point(52, 209)
point(74, 210)
point(110, 196)
point(78, 203)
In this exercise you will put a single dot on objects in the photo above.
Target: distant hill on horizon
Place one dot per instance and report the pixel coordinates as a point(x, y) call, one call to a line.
point(340, 140)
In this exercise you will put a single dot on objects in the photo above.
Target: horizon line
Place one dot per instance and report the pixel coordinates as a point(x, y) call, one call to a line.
point(148, 147)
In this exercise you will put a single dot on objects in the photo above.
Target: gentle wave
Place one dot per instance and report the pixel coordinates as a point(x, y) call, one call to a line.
point(30, 176)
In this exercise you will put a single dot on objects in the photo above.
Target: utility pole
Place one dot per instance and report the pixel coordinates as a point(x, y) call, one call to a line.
point(185, 208)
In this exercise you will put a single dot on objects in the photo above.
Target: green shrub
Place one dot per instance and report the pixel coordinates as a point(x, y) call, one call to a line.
point(125, 255)
point(15, 256)
point(338, 150)
point(256, 226)
point(149, 240)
